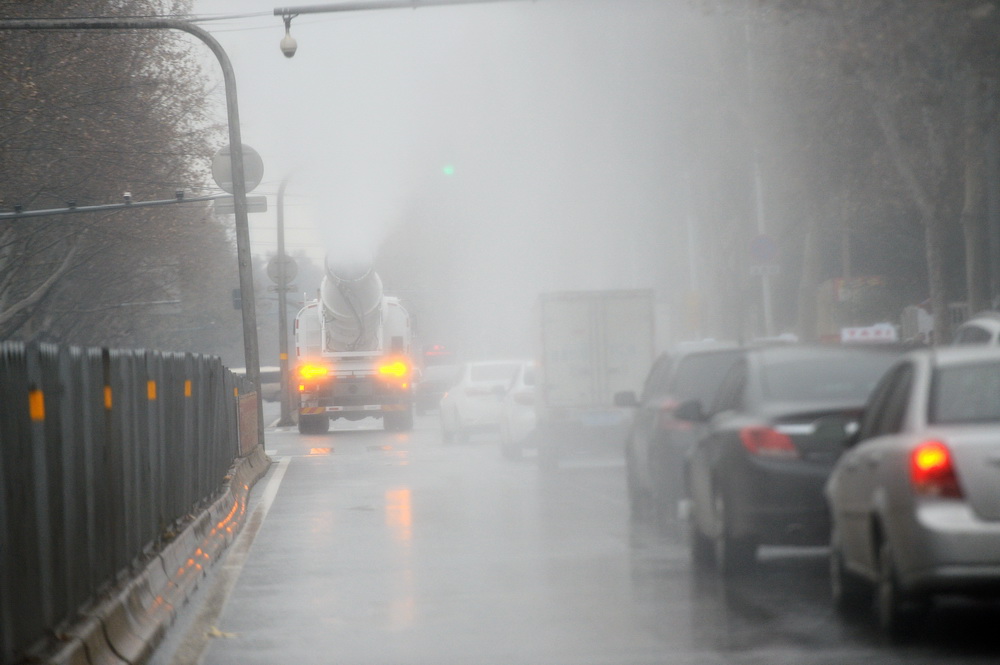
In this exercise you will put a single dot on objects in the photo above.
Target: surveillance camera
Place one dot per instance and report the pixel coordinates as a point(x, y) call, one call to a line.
point(127, 196)
point(289, 45)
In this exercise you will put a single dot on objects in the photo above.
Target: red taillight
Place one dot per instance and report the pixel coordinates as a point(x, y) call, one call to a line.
point(312, 372)
point(932, 471)
point(767, 442)
point(524, 397)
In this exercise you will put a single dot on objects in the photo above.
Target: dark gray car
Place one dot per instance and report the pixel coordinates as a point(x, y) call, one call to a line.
point(756, 475)
point(657, 443)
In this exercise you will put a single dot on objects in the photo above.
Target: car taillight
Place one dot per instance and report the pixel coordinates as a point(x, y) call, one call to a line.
point(312, 372)
point(767, 442)
point(524, 397)
point(932, 472)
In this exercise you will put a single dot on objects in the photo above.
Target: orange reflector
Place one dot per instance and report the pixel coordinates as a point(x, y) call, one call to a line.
point(151, 390)
point(313, 371)
point(107, 397)
point(187, 388)
point(36, 405)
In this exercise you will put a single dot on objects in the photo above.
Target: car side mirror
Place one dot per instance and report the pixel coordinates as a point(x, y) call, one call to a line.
point(692, 411)
point(627, 399)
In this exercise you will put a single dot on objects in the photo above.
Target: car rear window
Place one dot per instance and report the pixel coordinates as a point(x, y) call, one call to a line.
point(499, 372)
point(848, 377)
point(698, 376)
point(966, 394)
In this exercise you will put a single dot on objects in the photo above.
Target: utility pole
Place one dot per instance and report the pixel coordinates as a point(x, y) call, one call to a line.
point(286, 398)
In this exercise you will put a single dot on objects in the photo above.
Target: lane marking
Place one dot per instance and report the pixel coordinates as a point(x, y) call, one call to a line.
point(203, 627)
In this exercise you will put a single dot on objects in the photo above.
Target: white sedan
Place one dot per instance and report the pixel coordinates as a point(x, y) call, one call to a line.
point(474, 403)
point(517, 413)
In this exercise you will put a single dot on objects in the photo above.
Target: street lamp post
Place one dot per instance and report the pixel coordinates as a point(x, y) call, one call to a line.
point(250, 348)
point(286, 398)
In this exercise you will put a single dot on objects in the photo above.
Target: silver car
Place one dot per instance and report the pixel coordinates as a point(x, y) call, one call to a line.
point(915, 499)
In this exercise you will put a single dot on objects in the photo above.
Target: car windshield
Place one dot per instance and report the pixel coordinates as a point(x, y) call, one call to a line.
point(492, 372)
point(822, 378)
point(698, 376)
point(966, 394)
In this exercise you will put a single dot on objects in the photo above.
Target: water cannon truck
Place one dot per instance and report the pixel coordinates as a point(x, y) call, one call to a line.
point(352, 352)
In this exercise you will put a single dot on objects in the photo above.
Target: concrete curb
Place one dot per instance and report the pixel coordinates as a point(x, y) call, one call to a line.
point(127, 627)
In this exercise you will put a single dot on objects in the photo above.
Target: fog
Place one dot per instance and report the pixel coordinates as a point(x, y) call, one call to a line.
point(481, 154)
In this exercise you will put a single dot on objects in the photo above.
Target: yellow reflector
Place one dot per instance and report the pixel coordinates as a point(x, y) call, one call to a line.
point(151, 390)
point(107, 397)
point(395, 368)
point(313, 371)
point(36, 405)
point(187, 388)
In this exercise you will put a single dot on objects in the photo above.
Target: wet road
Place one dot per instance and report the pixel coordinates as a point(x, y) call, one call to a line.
point(371, 547)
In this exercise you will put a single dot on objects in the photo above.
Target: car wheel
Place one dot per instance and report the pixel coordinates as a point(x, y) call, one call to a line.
point(637, 499)
point(663, 497)
point(701, 547)
point(733, 556)
point(849, 592)
point(509, 448)
point(548, 455)
point(899, 613)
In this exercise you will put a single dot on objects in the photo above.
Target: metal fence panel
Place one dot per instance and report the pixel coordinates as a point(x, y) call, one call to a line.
point(102, 451)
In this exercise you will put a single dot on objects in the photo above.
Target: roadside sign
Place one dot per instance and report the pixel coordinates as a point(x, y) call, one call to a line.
point(878, 333)
point(222, 171)
point(274, 269)
point(228, 207)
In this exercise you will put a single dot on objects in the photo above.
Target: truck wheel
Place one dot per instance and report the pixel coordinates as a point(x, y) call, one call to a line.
point(398, 421)
point(314, 424)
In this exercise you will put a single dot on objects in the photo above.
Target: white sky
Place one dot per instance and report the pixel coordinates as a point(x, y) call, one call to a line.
point(559, 117)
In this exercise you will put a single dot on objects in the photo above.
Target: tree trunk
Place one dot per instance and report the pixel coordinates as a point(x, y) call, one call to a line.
point(973, 218)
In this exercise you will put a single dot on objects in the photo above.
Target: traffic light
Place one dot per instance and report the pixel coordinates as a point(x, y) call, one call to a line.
point(448, 169)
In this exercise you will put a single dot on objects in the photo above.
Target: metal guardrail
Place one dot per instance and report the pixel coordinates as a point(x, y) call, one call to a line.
point(103, 454)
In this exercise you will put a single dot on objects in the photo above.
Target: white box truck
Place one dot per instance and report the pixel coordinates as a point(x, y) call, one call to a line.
point(592, 344)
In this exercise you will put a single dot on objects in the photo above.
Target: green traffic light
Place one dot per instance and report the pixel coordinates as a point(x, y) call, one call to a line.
point(448, 169)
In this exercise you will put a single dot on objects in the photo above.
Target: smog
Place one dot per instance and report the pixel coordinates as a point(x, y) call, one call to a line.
point(480, 155)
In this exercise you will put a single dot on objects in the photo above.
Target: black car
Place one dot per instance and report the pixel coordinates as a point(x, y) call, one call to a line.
point(434, 382)
point(773, 433)
point(657, 443)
